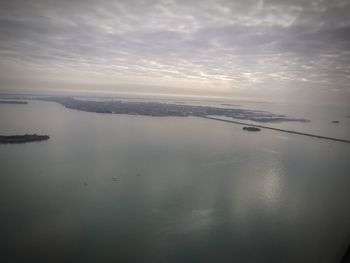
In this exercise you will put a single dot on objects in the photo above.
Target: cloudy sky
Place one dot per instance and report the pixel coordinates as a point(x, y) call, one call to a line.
point(264, 48)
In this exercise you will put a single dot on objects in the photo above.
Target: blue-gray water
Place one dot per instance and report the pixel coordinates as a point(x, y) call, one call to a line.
point(117, 188)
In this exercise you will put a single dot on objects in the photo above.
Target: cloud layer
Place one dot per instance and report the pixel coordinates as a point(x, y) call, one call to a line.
point(219, 47)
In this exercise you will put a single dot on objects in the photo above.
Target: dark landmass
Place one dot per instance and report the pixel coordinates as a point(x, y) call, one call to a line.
point(166, 109)
point(281, 130)
point(13, 102)
point(335, 121)
point(23, 138)
point(253, 129)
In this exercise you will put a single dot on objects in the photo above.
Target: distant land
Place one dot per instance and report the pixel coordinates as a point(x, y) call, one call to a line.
point(158, 109)
point(13, 102)
point(22, 138)
point(167, 109)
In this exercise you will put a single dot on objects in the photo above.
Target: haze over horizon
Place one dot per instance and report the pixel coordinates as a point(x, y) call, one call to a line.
point(283, 50)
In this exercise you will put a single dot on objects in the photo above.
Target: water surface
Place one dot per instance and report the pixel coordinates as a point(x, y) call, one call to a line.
point(118, 188)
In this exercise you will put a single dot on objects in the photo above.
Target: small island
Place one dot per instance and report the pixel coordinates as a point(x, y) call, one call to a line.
point(335, 121)
point(252, 129)
point(13, 102)
point(22, 138)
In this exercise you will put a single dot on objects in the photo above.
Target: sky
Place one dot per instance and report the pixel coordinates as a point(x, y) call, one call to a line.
point(287, 50)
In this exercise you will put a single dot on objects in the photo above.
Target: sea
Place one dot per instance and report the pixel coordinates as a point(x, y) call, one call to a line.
point(122, 188)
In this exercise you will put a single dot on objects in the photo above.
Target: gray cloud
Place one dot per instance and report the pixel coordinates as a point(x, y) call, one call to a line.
point(223, 47)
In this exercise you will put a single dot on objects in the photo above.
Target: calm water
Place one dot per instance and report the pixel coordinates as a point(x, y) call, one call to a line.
point(117, 188)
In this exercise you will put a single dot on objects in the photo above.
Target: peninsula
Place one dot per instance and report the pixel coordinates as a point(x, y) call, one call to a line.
point(22, 138)
point(158, 109)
